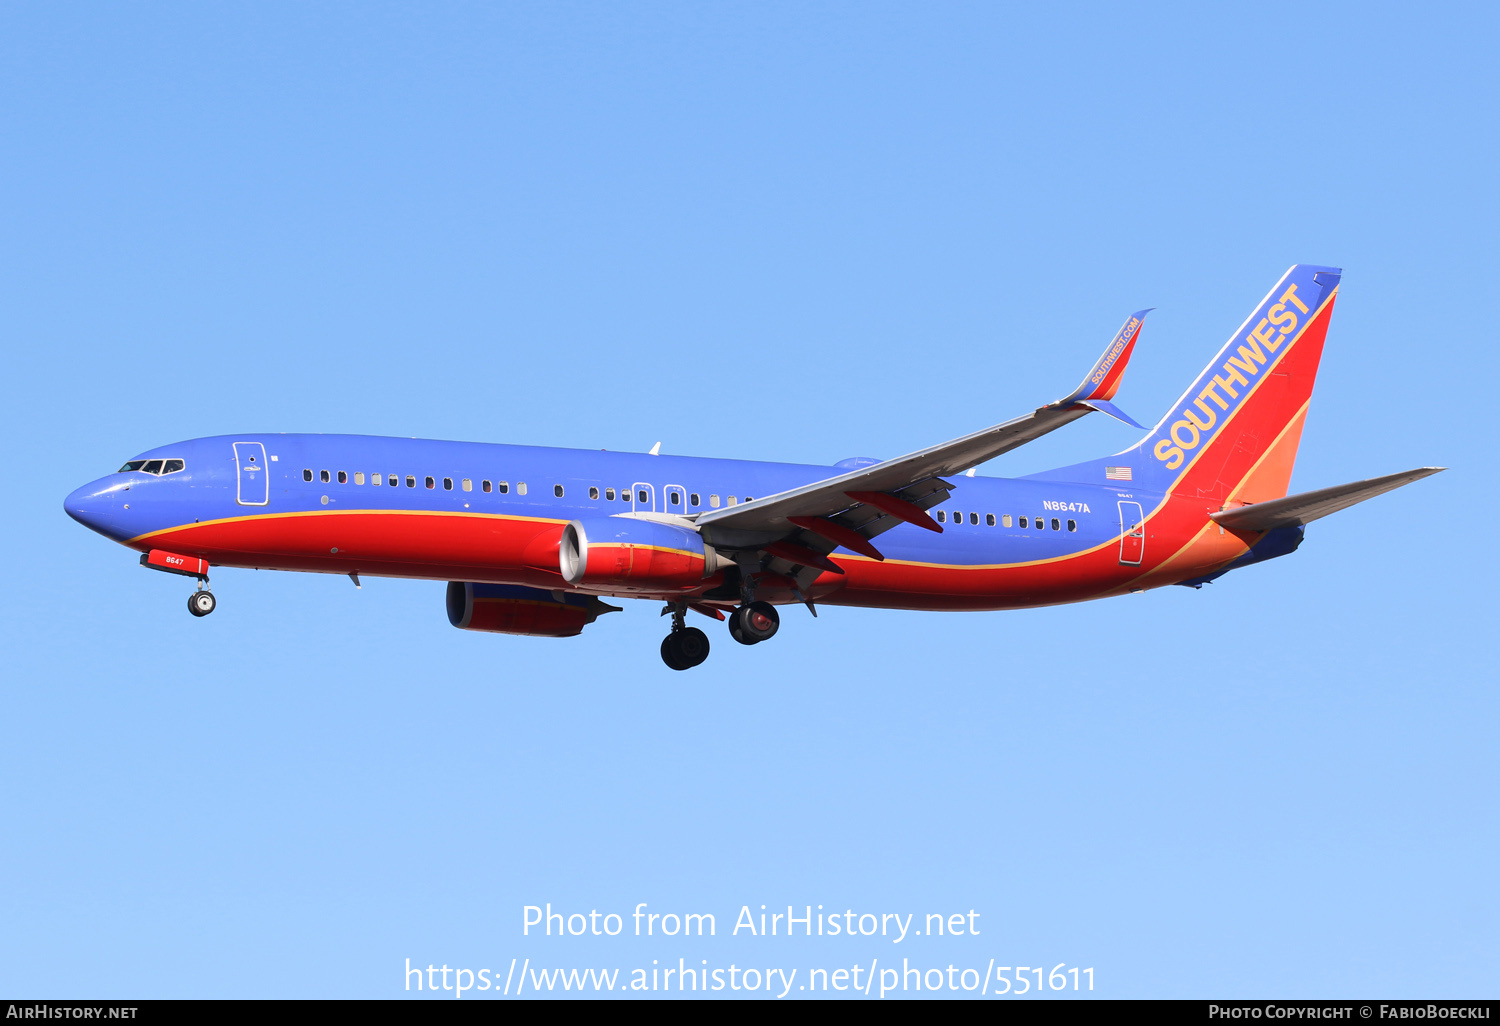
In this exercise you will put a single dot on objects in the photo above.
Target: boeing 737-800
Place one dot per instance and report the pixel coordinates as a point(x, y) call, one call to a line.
point(533, 540)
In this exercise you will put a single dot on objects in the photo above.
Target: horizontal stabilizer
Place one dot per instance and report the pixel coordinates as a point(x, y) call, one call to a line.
point(1295, 510)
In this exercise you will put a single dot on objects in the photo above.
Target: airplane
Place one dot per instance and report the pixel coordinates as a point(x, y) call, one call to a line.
point(532, 540)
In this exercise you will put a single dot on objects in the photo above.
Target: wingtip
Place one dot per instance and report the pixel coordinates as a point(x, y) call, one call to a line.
point(1110, 409)
point(1103, 380)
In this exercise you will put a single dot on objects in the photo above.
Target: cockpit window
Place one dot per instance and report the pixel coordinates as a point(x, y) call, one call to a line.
point(157, 467)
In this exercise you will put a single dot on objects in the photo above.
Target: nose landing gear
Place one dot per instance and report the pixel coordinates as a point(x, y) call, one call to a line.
point(686, 647)
point(201, 602)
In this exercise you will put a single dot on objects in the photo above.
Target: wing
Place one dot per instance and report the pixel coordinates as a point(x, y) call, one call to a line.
point(1306, 507)
point(801, 526)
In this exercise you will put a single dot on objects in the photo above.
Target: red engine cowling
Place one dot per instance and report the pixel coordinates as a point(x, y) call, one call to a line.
point(630, 554)
point(512, 609)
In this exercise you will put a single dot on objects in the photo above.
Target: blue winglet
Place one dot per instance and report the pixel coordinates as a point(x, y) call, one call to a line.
point(1111, 409)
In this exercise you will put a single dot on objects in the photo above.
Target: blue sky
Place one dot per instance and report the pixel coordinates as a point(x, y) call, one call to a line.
point(793, 232)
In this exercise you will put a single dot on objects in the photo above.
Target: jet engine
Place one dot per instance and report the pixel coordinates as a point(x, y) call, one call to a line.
point(631, 554)
point(512, 609)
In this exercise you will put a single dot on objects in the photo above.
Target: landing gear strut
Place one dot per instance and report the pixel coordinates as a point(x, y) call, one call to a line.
point(686, 647)
point(201, 602)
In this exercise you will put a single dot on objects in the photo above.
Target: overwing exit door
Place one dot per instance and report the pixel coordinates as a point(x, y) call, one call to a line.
point(1132, 533)
point(251, 473)
point(642, 498)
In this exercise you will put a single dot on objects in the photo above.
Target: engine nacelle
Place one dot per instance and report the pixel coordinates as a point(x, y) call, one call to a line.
point(512, 609)
point(631, 554)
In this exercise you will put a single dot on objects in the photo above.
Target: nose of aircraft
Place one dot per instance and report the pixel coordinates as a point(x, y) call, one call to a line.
point(94, 506)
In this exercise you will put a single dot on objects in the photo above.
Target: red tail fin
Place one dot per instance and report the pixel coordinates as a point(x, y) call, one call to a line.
point(1233, 435)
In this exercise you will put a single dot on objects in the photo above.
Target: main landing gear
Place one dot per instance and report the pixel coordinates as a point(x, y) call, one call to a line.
point(686, 647)
point(750, 623)
point(754, 622)
point(201, 602)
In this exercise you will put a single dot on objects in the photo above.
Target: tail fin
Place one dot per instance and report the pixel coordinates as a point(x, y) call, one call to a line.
point(1233, 435)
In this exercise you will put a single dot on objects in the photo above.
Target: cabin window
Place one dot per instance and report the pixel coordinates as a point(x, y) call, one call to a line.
point(713, 500)
point(392, 480)
point(974, 519)
point(557, 490)
point(429, 482)
point(503, 487)
point(609, 493)
point(343, 477)
point(593, 492)
point(1005, 520)
point(306, 474)
point(942, 517)
point(468, 485)
point(1038, 523)
point(485, 486)
point(411, 481)
point(359, 477)
point(1023, 521)
point(642, 495)
point(171, 466)
point(323, 476)
point(447, 484)
point(749, 498)
point(989, 520)
point(674, 498)
point(733, 501)
point(693, 499)
point(1072, 525)
point(1056, 524)
point(375, 480)
point(520, 487)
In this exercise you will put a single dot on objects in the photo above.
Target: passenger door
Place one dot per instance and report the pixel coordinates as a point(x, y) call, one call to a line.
point(1132, 533)
point(253, 479)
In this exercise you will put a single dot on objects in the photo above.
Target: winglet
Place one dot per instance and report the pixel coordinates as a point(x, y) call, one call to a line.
point(1111, 409)
point(1103, 381)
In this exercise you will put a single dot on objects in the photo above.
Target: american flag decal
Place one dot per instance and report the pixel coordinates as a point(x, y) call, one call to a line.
point(1117, 474)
